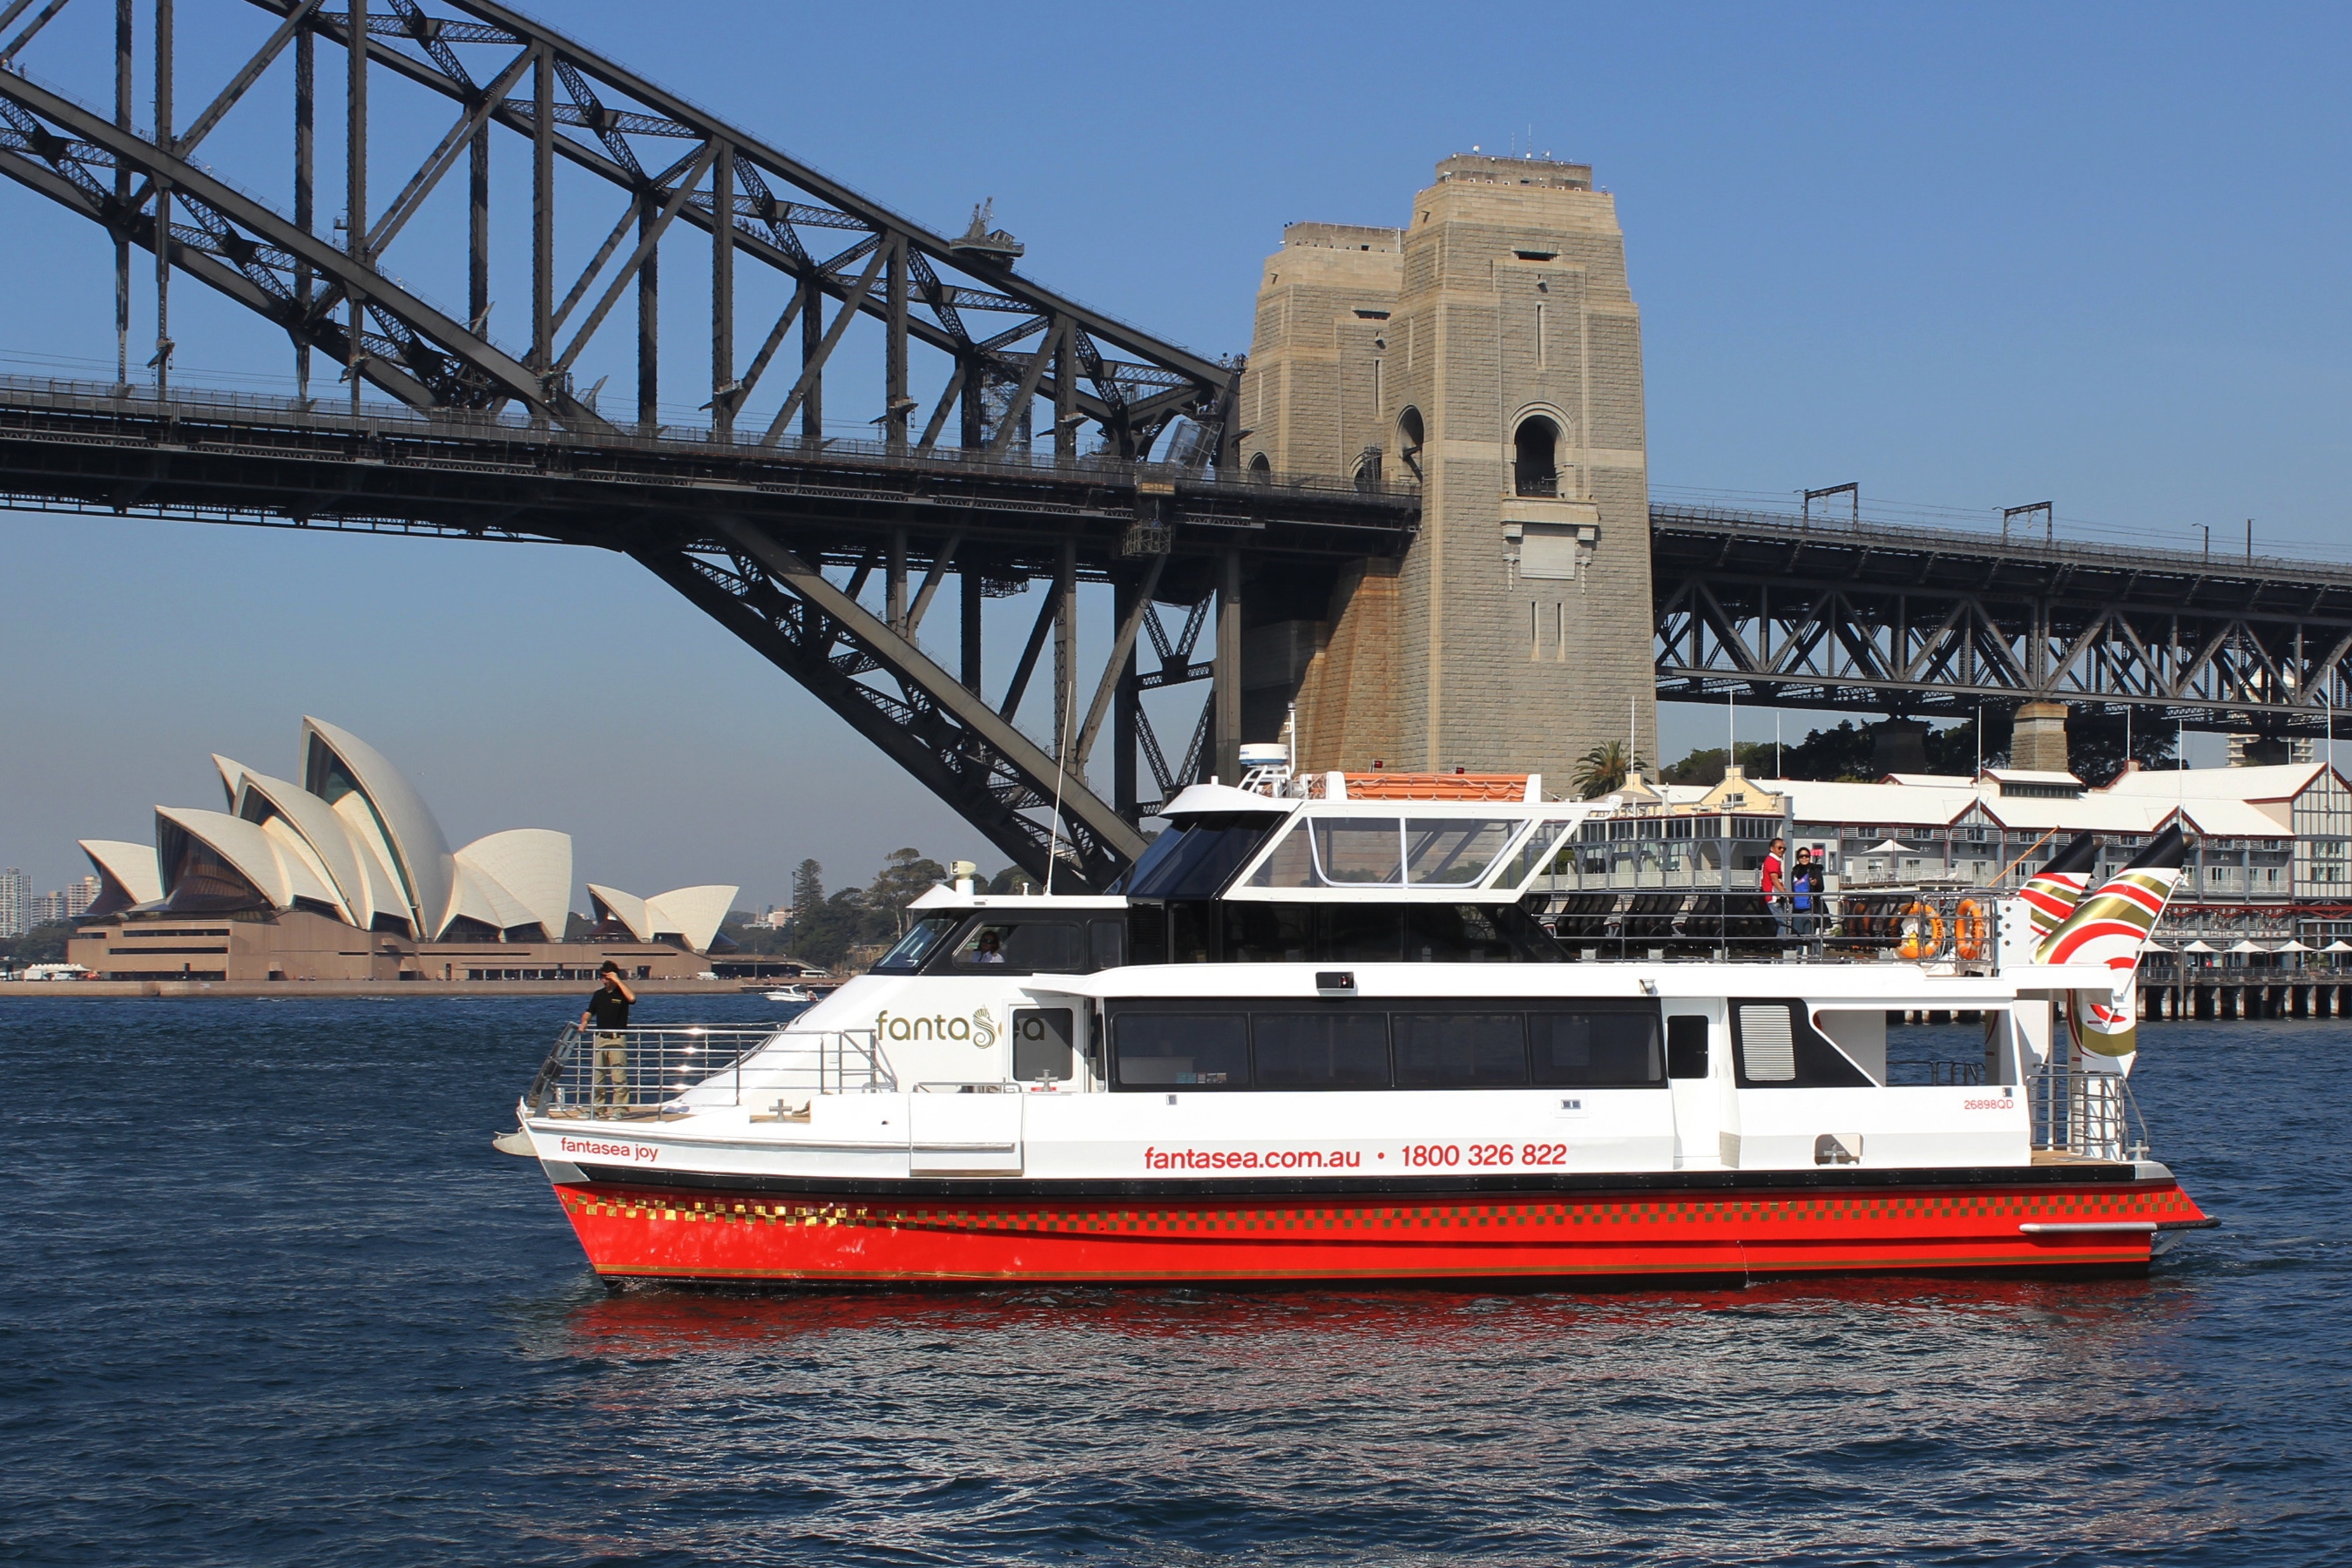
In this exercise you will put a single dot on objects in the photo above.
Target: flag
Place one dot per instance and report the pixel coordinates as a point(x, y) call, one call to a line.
point(2108, 928)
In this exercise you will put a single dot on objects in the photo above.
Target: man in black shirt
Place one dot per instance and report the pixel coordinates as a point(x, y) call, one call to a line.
point(608, 1009)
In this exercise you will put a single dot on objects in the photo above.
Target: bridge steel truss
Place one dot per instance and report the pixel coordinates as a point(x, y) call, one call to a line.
point(762, 521)
point(1878, 618)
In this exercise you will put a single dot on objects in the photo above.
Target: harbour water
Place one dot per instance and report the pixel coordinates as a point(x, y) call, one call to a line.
point(271, 1298)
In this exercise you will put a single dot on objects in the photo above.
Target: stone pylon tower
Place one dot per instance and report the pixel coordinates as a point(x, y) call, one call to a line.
point(1489, 350)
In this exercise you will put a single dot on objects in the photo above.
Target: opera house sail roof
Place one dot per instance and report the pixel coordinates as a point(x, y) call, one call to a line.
point(355, 842)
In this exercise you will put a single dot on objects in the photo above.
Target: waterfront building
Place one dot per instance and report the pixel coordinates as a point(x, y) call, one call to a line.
point(15, 902)
point(2267, 857)
point(348, 876)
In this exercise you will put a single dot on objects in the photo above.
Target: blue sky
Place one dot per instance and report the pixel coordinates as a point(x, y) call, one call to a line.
point(1968, 256)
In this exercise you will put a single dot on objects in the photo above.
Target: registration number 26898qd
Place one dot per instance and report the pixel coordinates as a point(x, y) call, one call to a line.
point(1493, 1156)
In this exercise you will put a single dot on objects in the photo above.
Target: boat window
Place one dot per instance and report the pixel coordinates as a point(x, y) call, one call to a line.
point(1193, 1050)
point(1323, 1050)
point(1291, 864)
point(1358, 851)
point(1385, 933)
point(1358, 933)
point(1686, 1045)
point(1021, 947)
point(1534, 853)
point(1599, 1047)
point(1147, 932)
point(1461, 1050)
point(1437, 1044)
point(922, 939)
point(1109, 941)
point(1041, 1045)
point(1452, 849)
point(1777, 1046)
point(1196, 861)
point(1270, 933)
point(1191, 934)
point(1385, 851)
point(1454, 933)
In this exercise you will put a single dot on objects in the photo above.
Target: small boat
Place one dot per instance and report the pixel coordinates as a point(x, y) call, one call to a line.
point(788, 994)
point(1314, 1038)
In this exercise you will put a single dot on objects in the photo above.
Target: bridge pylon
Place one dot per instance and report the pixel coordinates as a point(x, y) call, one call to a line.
point(1490, 351)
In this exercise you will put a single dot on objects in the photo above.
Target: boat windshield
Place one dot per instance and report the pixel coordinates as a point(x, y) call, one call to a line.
point(921, 939)
point(1196, 861)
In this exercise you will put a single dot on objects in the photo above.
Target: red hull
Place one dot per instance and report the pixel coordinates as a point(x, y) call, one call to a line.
point(635, 1234)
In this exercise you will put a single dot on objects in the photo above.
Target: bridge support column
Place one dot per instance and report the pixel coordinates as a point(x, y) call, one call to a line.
point(2037, 738)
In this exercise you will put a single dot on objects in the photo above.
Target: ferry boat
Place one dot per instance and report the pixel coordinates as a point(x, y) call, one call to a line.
point(1313, 1036)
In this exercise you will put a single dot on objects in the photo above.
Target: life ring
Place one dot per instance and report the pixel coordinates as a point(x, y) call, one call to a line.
point(1969, 930)
point(1921, 940)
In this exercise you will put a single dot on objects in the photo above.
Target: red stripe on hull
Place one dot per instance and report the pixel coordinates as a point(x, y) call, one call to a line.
point(640, 1235)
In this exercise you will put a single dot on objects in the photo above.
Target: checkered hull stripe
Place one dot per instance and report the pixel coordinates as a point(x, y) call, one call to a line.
point(662, 1235)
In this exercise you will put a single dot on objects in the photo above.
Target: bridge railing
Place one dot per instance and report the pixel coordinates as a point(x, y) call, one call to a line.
point(140, 403)
point(1929, 925)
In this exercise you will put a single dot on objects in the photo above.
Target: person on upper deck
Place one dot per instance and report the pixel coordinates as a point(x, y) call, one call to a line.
point(1804, 898)
point(1771, 882)
point(988, 950)
point(608, 1010)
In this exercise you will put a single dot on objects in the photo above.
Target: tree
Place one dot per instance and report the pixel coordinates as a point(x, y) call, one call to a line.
point(42, 944)
point(906, 874)
point(1705, 766)
point(2095, 746)
point(1602, 769)
point(824, 934)
point(808, 886)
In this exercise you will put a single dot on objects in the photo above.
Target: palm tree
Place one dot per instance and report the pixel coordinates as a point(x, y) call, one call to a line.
point(1602, 769)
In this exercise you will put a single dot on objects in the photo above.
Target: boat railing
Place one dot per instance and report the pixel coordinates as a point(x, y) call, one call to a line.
point(2091, 1115)
point(1925, 924)
point(641, 1074)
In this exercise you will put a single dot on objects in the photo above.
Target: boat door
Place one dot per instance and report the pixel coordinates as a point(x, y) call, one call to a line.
point(964, 1130)
point(1698, 1065)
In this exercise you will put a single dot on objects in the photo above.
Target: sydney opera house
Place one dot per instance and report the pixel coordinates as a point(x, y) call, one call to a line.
point(346, 876)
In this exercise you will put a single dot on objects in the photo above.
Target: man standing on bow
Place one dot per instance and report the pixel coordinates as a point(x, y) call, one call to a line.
point(608, 1010)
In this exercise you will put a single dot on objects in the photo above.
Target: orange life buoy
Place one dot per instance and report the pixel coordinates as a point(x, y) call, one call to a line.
point(1968, 930)
point(1923, 931)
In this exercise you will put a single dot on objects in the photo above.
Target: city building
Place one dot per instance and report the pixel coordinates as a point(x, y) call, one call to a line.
point(15, 902)
point(66, 904)
point(347, 876)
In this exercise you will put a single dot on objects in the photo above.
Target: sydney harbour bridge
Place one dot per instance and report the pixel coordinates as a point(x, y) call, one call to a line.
point(1018, 438)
